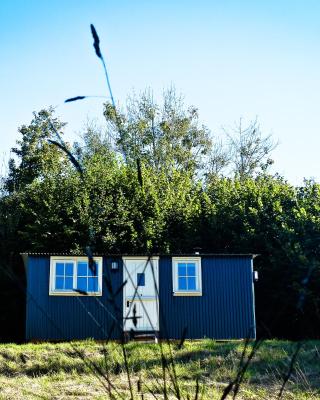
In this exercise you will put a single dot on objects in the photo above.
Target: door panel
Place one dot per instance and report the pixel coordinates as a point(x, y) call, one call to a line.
point(140, 294)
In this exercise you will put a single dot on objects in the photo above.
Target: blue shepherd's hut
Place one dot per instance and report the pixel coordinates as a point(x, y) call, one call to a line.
point(195, 295)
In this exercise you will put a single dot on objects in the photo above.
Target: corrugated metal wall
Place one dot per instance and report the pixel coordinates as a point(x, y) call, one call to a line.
point(224, 311)
point(70, 317)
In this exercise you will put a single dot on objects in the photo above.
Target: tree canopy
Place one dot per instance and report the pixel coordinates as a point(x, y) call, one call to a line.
point(189, 197)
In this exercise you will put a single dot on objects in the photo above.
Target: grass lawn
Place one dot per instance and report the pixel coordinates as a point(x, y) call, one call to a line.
point(65, 370)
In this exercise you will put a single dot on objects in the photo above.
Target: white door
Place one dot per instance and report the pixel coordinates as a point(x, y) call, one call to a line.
point(140, 299)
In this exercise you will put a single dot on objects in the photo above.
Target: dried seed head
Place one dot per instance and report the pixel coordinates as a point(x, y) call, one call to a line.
point(96, 41)
point(75, 99)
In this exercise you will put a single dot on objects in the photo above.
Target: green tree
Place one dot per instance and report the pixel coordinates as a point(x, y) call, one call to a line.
point(165, 136)
point(49, 206)
point(268, 216)
point(249, 149)
point(34, 155)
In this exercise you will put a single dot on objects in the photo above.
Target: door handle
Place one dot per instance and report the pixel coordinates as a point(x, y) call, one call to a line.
point(128, 303)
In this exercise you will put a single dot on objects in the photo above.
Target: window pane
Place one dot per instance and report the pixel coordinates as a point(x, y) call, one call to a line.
point(140, 279)
point(191, 269)
point(182, 269)
point(82, 284)
point(191, 283)
point(93, 271)
point(82, 268)
point(182, 283)
point(69, 269)
point(59, 283)
point(72, 274)
point(68, 283)
point(60, 268)
point(93, 284)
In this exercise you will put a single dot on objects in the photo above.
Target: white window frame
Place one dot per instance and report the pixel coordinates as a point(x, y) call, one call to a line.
point(58, 292)
point(197, 262)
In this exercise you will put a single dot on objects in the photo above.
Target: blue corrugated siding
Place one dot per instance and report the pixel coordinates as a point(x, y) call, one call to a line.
point(70, 317)
point(224, 311)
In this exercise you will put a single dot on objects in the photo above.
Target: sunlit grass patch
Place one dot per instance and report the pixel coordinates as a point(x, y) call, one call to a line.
point(70, 370)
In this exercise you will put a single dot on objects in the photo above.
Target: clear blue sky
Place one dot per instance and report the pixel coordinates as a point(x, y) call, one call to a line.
point(231, 59)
